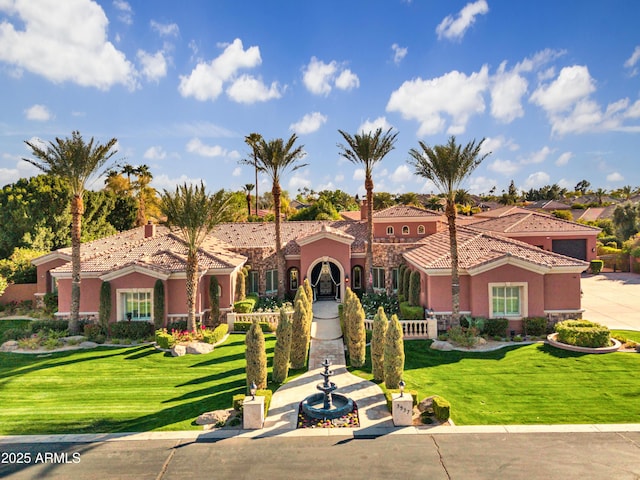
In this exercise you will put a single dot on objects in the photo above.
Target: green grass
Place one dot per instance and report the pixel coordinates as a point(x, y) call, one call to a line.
point(118, 389)
point(532, 384)
point(628, 334)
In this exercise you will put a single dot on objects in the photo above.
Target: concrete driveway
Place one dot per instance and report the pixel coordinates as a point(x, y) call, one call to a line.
point(612, 299)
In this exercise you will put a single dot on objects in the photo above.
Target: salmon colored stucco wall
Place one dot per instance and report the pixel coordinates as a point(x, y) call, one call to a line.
point(89, 295)
point(41, 272)
point(380, 228)
point(128, 282)
point(19, 292)
point(311, 253)
point(226, 292)
point(546, 241)
point(177, 296)
point(439, 292)
point(562, 292)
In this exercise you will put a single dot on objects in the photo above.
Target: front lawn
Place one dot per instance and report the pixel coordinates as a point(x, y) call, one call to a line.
point(118, 389)
point(529, 384)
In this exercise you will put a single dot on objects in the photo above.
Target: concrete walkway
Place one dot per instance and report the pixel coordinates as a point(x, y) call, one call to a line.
point(326, 342)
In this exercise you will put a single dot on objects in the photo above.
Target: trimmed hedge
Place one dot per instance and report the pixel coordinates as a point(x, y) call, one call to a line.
point(178, 325)
point(245, 306)
point(131, 330)
point(95, 332)
point(215, 335)
point(535, 326)
point(164, 340)
point(55, 325)
point(583, 333)
point(496, 327)
point(441, 408)
point(596, 266)
point(245, 326)
point(408, 312)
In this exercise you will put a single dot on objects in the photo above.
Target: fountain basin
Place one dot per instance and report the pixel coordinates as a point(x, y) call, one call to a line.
point(313, 406)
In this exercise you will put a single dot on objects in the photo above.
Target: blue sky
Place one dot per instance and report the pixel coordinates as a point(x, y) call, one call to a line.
point(554, 87)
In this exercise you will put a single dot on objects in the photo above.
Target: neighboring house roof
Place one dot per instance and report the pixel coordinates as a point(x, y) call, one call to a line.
point(501, 211)
point(533, 223)
point(480, 251)
point(548, 205)
point(352, 215)
point(405, 211)
point(590, 214)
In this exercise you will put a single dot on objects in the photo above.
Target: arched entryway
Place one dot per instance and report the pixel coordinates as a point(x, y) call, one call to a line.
point(327, 279)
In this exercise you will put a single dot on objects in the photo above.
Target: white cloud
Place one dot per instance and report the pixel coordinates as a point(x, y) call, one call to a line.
point(126, 12)
point(481, 184)
point(632, 61)
point(164, 182)
point(536, 180)
point(155, 153)
point(165, 29)
point(372, 126)
point(22, 169)
point(507, 91)
point(206, 80)
point(537, 157)
point(359, 174)
point(320, 77)
point(614, 177)
point(573, 84)
point(455, 28)
point(634, 110)
point(236, 172)
point(454, 94)
point(196, 146)
point(299, 180)
point(347, 80)
point(234, 155)
point(339, 178)
point(564, 159)
point(64, 41)
point(504, 167)
point(39, 113)
point(401, 174)
point(248, 89)
point(154, 66)
point(310, 123)
point(398, 53)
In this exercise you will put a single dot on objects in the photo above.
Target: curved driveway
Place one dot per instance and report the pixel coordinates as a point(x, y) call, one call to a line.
point(612, 299)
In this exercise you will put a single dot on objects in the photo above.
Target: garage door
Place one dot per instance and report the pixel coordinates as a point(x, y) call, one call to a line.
point(571, 248)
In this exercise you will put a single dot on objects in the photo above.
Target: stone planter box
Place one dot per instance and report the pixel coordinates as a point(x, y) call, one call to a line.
point(552, 339)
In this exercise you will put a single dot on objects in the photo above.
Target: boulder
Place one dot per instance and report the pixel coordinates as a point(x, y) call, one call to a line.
point(480, 341)
point(198, 348)
point(73, 339)
point(426, 405)
point(442, 346)
point(9, 346)
point(178, 350)
point(217, 417)
point(88, 345)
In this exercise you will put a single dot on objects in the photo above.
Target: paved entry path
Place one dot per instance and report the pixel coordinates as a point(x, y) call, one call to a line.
point(326, 342)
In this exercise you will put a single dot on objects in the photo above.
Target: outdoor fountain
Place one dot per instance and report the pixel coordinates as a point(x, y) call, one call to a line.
point(327, 405)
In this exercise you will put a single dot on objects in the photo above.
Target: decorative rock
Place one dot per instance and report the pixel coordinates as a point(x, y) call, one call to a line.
point(9, 346)
point(197, 348)
point(178, 350)
point(480, 341)
point(73, 338)
point(442, 346)
point(217, 417)
point(88, 345)
point(425, 405)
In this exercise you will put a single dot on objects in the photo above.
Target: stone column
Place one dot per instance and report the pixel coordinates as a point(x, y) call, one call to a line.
point(432, 328)
point(253, 412)
point(402, 409)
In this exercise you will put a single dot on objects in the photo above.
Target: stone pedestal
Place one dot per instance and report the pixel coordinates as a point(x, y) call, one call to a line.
point(253, 413)
point(402, 409)
point(432, 328)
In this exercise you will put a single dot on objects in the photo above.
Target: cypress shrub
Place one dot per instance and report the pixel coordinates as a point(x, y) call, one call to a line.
point(158, 303)
point(256, 356)
point(104, 312)
point(393, 354)
point(214, 301)
point(401, 293)
point(406, 278)
point(282, 348)
point(380, 323)
point(300, 332)
point(308, 290)
point(414, 288)
point(357, 342)
point(241, 293)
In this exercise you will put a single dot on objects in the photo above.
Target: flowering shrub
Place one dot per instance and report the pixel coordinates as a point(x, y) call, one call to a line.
point(167, 339)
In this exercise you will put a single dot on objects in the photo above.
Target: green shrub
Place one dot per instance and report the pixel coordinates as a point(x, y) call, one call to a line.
point(380, 323)
point(237, 402)
point(245, 326)
point(596, 266)
point(177, 325)
point(215, 335)
point(104, 308)
point(300, 330)
point(214, 300)
point(93, 331)
point(441, 408)
point(245, 306)
point(372, 301)
point(256, 357)
point(50, 303)
point(406, 281)
point(535, 326)
point(393, 353)
point(164, 340)
point(267, 394)
point(131, 330)
point(414, 288)
point(282, 349)
point(496, 327)
point(158, 303)
point(56, 325)
point(583, 333)
point(354, 320)
point(14, 334)
point(408, 312)
point(464, 337)
point(240, 287)
point(388, 395)
point(401, 292)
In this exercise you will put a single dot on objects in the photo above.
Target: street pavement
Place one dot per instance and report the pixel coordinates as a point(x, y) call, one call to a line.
point(612, 299)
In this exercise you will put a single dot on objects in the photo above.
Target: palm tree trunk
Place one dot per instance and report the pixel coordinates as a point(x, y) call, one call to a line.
point(455, 277)
point(276, 190)
point(255, 163)
point(77, 209)
point(248, 204)
point(192, 288)
point(368, 260)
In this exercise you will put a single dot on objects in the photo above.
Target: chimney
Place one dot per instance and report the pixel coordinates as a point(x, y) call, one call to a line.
point(363, 210)
point(149, 230)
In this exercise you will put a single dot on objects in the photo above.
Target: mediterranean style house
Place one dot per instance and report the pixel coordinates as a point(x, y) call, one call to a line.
point(513, 266)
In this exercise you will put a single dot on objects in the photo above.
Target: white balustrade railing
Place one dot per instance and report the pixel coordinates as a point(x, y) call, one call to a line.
point(271, 318)
point(413, 329)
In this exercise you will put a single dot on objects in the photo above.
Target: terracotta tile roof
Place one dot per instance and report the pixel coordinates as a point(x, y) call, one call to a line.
point(477, 248)
point(532, 222)
point(353, 215)
point(549, 205)
point(404, 211)
point(590, 214)
point(501, 212)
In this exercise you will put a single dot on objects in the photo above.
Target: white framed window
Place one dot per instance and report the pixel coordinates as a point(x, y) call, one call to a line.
point(356, 278)
point(272, 281)
point(421, 230)
point(508, 299)
point(405, 229)
point(378, 278)
point(254, 281)
point(135, 304)
point(389, 230)
point(294, 276)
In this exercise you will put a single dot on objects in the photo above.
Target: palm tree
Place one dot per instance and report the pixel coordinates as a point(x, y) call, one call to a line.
point(273, 158)
point(194, 213)
point(252, 140)
point(76, 163)
point(599, 193)
point(248, 187)
point(447, 166)
point(368, 149)
point(143, 179)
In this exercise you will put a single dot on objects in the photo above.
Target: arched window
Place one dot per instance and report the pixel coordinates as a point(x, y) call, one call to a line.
point(405, 230)
point(389, 230)
point(294, 278)
point(356, 278)
point(420, 229)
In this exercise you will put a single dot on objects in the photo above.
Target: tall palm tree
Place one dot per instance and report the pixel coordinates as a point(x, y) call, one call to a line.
point(128, 170)
point(143, 179)
point(194, 213)
point(368, 149)
point(248, 188)
point(76, 162)
point(447, 166)
point(273, 158)
point(252, 140)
